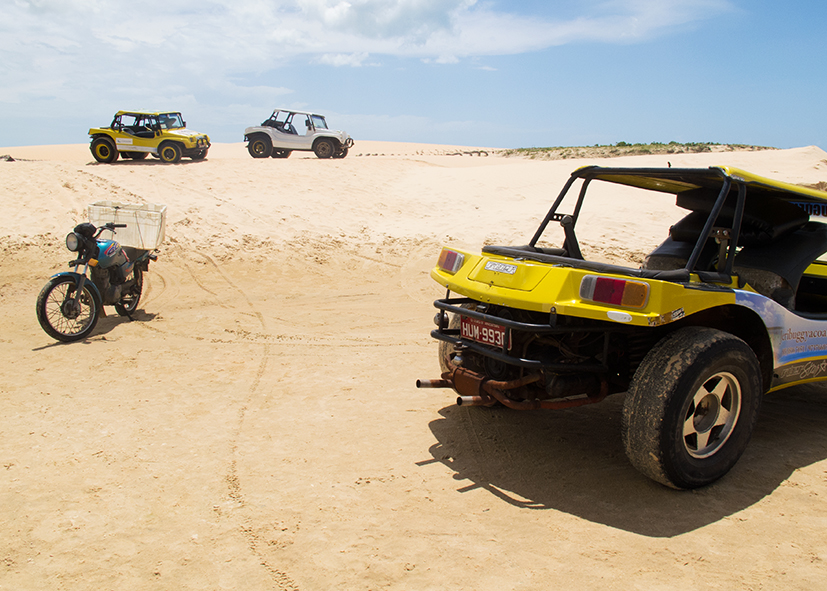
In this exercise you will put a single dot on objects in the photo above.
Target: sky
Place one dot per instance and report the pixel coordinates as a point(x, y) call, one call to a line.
point(494, 73)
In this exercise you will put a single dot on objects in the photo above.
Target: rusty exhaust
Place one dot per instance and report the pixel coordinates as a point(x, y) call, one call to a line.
point(476, 390)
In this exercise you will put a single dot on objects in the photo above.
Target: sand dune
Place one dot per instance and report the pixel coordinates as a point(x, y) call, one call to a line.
point(257, 425)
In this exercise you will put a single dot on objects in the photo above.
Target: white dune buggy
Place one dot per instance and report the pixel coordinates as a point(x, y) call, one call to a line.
point(286, 131)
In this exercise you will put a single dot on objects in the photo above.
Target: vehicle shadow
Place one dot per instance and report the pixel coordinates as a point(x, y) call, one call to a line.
point(573, 461)
point(105, 325)
point(147, 162)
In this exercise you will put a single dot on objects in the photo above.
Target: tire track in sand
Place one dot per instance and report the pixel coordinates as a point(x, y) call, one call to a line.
point(234, 485)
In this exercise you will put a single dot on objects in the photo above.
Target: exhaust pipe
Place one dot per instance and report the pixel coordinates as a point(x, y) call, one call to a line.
point(434, 384)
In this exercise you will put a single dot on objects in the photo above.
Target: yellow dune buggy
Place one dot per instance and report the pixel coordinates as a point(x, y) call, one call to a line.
point(135, 134)
point(731, 305)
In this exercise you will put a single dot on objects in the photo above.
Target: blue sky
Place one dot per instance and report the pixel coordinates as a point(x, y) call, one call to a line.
point(469, 72)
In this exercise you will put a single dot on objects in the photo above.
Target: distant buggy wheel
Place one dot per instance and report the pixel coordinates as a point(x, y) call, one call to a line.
point(170, 153)
point(281, 153)
point(103, 150)
point(691, 407)
point(341, 153)
point(324, 149)
point(260, 147)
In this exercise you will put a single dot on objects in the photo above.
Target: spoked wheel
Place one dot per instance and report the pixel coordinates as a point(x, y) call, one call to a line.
point(691, 407)
point(63, 314)
point(129, 301)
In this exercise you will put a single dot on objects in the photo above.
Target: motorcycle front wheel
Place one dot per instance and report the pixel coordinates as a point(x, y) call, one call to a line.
point(62, 314)
point(129, 301)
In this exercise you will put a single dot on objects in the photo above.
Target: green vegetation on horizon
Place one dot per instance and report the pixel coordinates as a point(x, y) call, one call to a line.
point(625, 149)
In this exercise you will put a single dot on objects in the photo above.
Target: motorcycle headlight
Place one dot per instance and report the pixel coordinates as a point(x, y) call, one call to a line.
point(72, 242)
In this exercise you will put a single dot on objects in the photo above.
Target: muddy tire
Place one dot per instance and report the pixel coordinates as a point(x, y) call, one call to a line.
point(104, 150)
point(691, 408)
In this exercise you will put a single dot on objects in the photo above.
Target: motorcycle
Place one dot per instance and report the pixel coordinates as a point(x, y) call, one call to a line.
point(70, 304)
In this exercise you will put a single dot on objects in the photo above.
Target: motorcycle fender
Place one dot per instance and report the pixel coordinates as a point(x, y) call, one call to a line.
point(76, 277)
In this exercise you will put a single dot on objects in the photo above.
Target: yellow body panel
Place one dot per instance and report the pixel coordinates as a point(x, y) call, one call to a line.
point(558, 288)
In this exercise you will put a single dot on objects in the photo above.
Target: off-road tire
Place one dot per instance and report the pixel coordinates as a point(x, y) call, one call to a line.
point(324, 148)
point(260, 146)
point(104, 150)
point(199, 155)
point(341, 153)
point(281, 153)
point(169, 152)
point(691, 407)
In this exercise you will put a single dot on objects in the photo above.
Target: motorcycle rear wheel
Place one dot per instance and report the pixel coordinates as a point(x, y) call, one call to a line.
point(129, 301)
point(59, 317)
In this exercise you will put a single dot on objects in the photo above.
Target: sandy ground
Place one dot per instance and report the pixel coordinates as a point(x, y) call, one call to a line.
point(257, 426)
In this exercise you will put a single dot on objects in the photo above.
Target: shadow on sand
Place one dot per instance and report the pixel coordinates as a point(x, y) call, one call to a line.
point(573, 461)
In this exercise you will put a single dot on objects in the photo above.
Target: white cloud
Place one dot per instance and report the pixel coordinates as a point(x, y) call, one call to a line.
point(78, 54)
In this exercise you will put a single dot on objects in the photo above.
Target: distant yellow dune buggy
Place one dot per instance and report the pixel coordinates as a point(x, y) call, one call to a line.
point(134, 134)
point(731, 305)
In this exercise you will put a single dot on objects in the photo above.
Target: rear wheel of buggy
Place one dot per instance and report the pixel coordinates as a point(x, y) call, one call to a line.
point(129, 301)
point(691, 408)
point(260, 146)
point(63, 314)
point(104, 150)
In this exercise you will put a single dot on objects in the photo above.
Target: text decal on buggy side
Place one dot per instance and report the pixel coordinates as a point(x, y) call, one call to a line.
point(799, 345)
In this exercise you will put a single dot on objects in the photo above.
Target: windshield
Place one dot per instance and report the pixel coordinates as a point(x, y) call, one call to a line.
point(171, 121)
point(319, 122)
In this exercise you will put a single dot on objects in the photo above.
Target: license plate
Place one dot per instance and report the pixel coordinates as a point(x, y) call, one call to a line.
point(484, 332)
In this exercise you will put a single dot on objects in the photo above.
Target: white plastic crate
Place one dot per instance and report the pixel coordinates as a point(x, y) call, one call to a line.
point(145, 223)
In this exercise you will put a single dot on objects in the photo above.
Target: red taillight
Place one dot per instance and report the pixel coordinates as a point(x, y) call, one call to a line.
point(618, 292)
point(450, 260)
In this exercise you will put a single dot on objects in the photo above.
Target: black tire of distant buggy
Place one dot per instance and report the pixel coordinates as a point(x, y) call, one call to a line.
point(281, 153)
point(169, 152)
point(659, 400)
point(104, 150)
point(199, 155)
point(43, 315)
point(324, 148)
point(126, 309)
point(137, 155)
point(341, 153)
point(260, 146)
